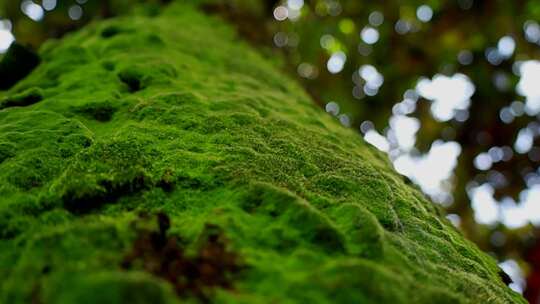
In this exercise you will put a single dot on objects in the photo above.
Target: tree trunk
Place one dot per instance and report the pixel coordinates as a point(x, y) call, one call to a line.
point(158, 159)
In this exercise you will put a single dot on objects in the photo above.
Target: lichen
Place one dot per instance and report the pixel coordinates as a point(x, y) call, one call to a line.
point(172, 114)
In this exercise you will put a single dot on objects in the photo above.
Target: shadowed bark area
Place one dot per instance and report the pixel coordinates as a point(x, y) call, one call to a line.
point(16, 64)
point(260, 196)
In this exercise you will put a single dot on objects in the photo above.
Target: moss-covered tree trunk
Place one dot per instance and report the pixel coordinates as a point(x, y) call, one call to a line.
point(159, 159)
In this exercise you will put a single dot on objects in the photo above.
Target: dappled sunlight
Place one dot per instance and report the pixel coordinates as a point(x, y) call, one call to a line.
point(487, 210)
point(511, 267)
point(528, 85)
point(32, 10)
point(6, 37)
point(448, 94)
point(432, 170)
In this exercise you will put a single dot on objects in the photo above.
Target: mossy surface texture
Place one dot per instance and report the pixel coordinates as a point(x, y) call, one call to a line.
point(161, 160)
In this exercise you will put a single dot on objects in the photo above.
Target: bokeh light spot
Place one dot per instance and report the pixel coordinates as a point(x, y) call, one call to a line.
point(369, 35)
point(376, 18)
point(75, 12)
point(336, 62)
point(32, 10)
point(49, 5)
point(506, 46)
point(424, 13)
point(281, 13)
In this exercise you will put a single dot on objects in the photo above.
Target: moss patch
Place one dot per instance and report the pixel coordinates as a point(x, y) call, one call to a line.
point(130, 116)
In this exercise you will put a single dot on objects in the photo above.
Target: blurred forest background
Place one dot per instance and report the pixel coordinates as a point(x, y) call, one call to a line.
point(449, 89)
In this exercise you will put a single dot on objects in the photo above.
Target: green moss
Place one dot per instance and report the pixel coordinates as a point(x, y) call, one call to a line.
point(172, 114)
point(22, 99)
point(112, 287)
point(99, 110)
